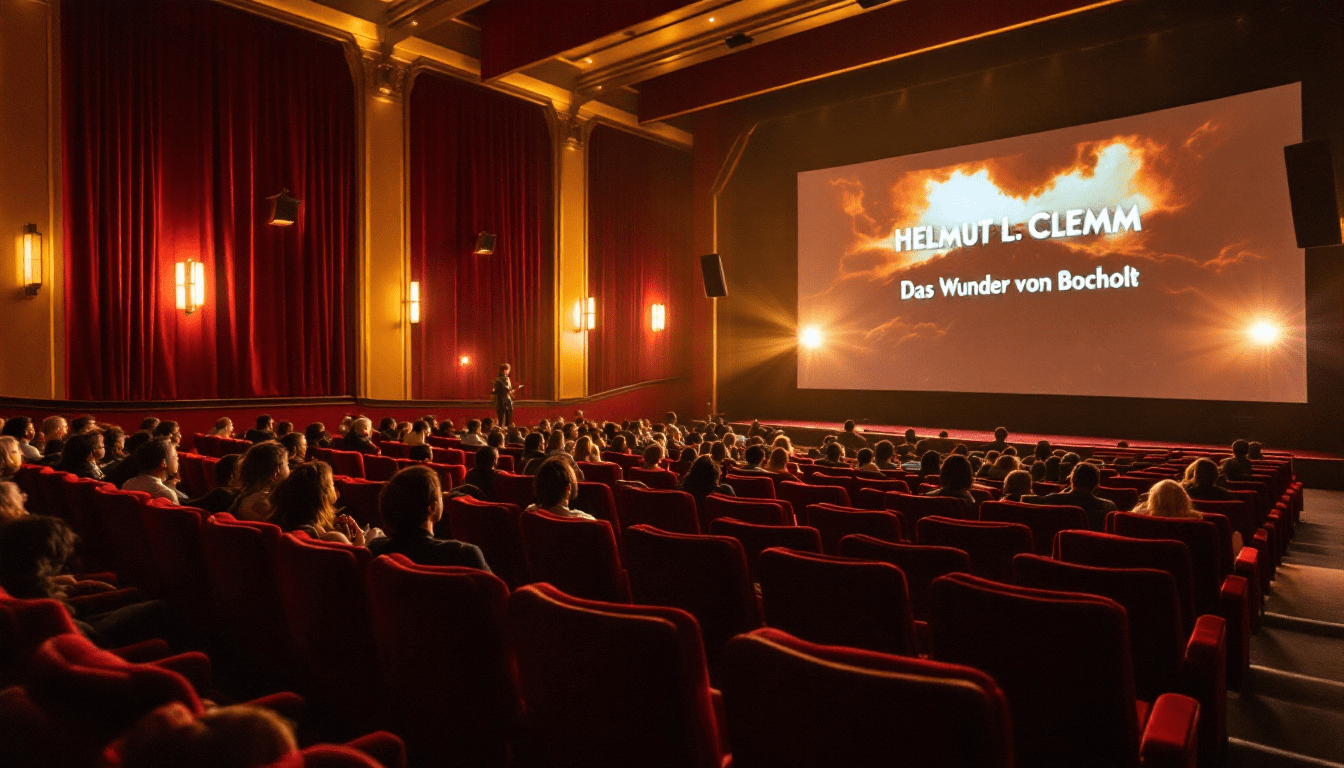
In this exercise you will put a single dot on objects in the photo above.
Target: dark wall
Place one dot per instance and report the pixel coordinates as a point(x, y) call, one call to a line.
point(1110, 63)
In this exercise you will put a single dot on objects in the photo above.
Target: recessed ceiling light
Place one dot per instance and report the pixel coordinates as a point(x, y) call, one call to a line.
point(587, 61)
point(711, 19)
point(415, 23)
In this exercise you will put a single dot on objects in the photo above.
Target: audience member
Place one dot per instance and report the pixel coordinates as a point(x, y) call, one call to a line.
point(653, 456)
point(884, 455)
point(156, 467)
point(1167, 499)
point(411, 504)
point(306, 501)
point(82, 455)
point(1201, 483)
point(148, 424)
point(316, 435)
point(864, 462)
point(11, 458)
point(930, 464)
point(357, 439)
point(555, 486)
point(473, 438)
point(223, 427)
point(1083, 484)
point(296, 447)
point(54, 430)
point(703, 478)
point(1238, 467)
point(263, 467)
point(753, 459)
point(263, 431)
point(1256, 451)
point(283, 428)
point(1016, 485)
point(12, 501)
point(482, 475)
point(225, 493)
point(419, 433)
point(388, 428)
point(1003, 466)
point(114, 442)
point(851, 440)
point(779, 461)
point(954, 480)
point(832, 456)
point(170, 430)
point(21, 429)
point(236, 736)
point(1000, 440)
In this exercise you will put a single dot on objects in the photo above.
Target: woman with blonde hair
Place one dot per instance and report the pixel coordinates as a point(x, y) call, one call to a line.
point(11, 503)
point(779, 461)
point(584, 450)
point(1168, 499)
point(223, 427)
point(783, 441)
point(11, 458)
point(306, 501)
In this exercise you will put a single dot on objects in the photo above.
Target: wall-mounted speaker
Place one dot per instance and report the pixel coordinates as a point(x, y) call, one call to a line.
point(284, 209)
point(711, 268)
point(485, 243)
point(1311, 187)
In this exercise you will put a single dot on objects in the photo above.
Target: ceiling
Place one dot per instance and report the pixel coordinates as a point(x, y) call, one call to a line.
point(660, 59)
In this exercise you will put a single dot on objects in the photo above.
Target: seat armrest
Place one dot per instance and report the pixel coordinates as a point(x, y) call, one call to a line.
point(1170, 738)
point(194, 666)
point(382, 746)
point(102, 602)
point(1247, 565)
point(720, 719)
point(1235, 609)
point(290, 706)
point(1204, 676)
point(145, 652)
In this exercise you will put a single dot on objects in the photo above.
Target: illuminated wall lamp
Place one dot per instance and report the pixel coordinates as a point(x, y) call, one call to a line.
point(585, 314)
point(190, 285)
point(31, 258)
point(659, 317)
point(415, 301)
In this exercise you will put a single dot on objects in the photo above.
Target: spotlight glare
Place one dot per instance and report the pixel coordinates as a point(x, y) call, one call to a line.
point(464, 360)
point(1264, 333)
point(811, 337)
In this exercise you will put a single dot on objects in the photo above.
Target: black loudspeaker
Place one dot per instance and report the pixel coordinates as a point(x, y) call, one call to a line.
point(1311, 185)
point(711, 267)
point(284, 209)
point(485, 243)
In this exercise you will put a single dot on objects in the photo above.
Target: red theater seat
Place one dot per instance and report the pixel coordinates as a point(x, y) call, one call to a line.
point(915, 508)
point(1063, 661)
point(803, 495)
point(920, 564)
point(1124, 498)
point(514, 489)
point(837, 600)
point(673, 511)
point(174, 535)
point(494, 527)
point(193, 474)
point(762, 511)
point(359, 499)
point(450, 475)
point(756, 538)
point(124, 533)
point(794, 703)
point(443, 654)
point(991, 546)
point(575, 555)
point(751, 486)
point(347, 463)
point(835, 523)
point(1044, 521)
point(660, 479)
point(606, 684)
point(605, 472)
point(394, 450)
point(379, 468)
point(597, 500)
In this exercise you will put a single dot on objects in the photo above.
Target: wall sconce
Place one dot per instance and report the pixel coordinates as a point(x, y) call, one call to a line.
point(585, 314)
point(464, 360)
point(485, 244)
point(190, 285)
point(659, 317)
point(415, 301)
point(31, 258)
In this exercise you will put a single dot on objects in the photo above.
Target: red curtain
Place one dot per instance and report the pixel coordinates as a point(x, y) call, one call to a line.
point(180, 118)
point(639, 254)
point(480, 161)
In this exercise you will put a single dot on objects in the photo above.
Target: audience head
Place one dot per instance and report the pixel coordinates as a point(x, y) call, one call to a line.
point(960, 449)
point(835, 452)
point(344, 427)
point(487, 457)
point(296, 446)
point(55, 428)
point(782, 441)
point(170, 430)
point(955, 473)
point(223, 427)
point(755, 455)
point(929, 463)
point(1037, 471)
point(133, 443)
point(1205, 472)
point(1000, 434)
point(653, 455)
point(83, 448)
point(687, 455)
point(264, 422)
point(1168, 499)
point(361, 427)
point(779, 460)
point(315, 433)
point(849, 425)
point(1052, 469)
point(532, 443)
point(1239, 447)
point(943, 434)
point(33, 550)
point(865, 456)
point(412, 498)
point(237, 736)
point(1256, 450)
point(555, 442)
point(718, 451)
point(703, 476)
point(1010, 450)
point(158, 457)
point(11, 458)
point(1042, 450)
point(264, 465)
point(306, 497)
point(19, 428)
point(284, 428)
point(910, 436)
point(82, 424)
point(12, 500)
point(1085, 477)
point(1017, 482)
point(148, 424)
point(885, 451)
point(226, 470)
point(388, 424)
point(487, 423)
point(556, 482)
point(1006, 463)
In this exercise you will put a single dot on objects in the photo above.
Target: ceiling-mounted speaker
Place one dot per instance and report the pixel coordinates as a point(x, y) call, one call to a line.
point(739, 40)
point(284, 209)
point(1311, 190)
point(711, 269)
point(485, 243)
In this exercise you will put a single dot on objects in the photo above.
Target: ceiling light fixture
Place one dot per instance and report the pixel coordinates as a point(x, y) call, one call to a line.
point(739, 40)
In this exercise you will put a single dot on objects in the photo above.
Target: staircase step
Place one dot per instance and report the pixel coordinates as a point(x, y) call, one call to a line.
point(1248, 754)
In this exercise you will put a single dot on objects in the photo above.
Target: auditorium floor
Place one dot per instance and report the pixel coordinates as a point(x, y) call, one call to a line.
point(1292, 713)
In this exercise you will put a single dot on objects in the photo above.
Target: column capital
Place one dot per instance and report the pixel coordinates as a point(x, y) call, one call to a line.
point(384, 76)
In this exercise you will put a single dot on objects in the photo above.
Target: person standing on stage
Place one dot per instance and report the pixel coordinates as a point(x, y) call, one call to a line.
point(503, 395)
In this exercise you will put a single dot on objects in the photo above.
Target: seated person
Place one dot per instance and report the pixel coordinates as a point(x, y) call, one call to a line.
point(411, 504)
point(156, 462)
point(316, 435)
point(954, 480)
point(357, 439)
point(82, 454)
point(472, 438)
point(264, 430)
point(703, 478)
point(1000, 441)
point(1083, 482)
point(387, 428)
point(1016, 485)
point(1256, 452)
point(1202, 482)
point(832, 456)
point(306, 501)
point(533, 452)
point(1168, 499)
point(910, 438)
point(170, 430)
point(930, 465)
point(850, 440)
point(1238, 467)
point(226, 489)
point(555, 486)
point(236, 736)
point(753, 459)
point(653, 456)
point(296, 448)
point(884, 456)
point(223, 427)
point(482, 475)
point(865, 462)
point(1003, 466)
point(263, 467)
point(12, 500)
point(779, 461)
point(424, 452)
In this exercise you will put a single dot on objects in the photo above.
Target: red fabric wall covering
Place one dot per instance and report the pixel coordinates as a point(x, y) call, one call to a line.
point(480, 161)
point(179, 118)
point(639, 254)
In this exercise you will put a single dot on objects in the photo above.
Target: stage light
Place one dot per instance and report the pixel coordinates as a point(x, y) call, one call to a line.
point(810, 337)
point(30, 259)
point(659, 317)
point(464, 360)
point(1264, 333)
point(190, 285)
point(415, 301)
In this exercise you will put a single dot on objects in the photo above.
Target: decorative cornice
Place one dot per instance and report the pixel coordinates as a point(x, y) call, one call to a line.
point(385, 76)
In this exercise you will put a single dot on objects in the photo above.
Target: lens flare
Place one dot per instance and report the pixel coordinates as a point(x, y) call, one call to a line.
point(810, 337)
point(1264, 333)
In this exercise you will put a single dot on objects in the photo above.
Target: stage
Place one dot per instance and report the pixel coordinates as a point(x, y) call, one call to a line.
point(1317, 469)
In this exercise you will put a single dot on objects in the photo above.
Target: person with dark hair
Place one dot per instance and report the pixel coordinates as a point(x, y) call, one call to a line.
point(1037, 470)
point(296, 446)
point(864, 462)
point(1236, 468)
point(703, 478)
point(263, 467)
point(472, 438)
point(21, 429)
point(419, 434)
point(884, 455)
point(483, 474)
point(316, 435)
point(123, 470)
point(533, 452)
point(753, 459)
point(156, 465)
point(954, 480)
point(114, 441)
point(1000, 440)
point(1016, 485)
point(850, 440)
point(555, 486)
point(283, 428)
point(411, 503)
point(148, 424)
point(1083, 482)
point(1042, 450)
point(81, 455)
point(929, 465)
point(832, 455)
point(388, 428)
point(170, 430)
point(1202, 482)
point(1256, 451)
point(653, 455)
point(306, 501)
point(1052, 473)
point(82, 424)
point(225, 493)
point(263, 431)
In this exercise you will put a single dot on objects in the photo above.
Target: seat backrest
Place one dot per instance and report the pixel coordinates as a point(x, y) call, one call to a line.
point(846, 480)
point(443, 654)
point(1239, 513)
point(28, 482)
point(208, 467)
point(174, 535)
point(751, 510)
point(837, 600)
point(991, 546)
point(393, 449)
point(327, 608)
point(660, 479)
point(1124, 498)
point(1044, 521)
point(605, 472)
point(514, 489)
point(193, 474)
point(1149, 599)
point(795, 703)
point(577, 556)
point(81, 505)
point(347, 463)
point(240, 564)
point(626, 460)
point(25, 625)
point(124, 533)
point(756, 538)
point(1104, 550)
point(801, 495)
point(920, 564)
point(706, 576)
point(358, 498)
point(607, 684)
point(1209, 564)
point(914, 508)
point(52, 494)
point(380, 468)
point(598, 500)
point(836, 522)
point(863, 483)
point(751, 486)
point(451, 475)
point(494, 527)
point(206, 445)
point(1062, 659)
point(669, 510)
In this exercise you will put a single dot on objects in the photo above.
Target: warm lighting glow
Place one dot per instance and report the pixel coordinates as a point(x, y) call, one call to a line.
point(659, 317)
point(464, 360)
point(190, 285)
point(1265, 333)
point(585, 314)
point(415, 301)
point(711, 19)
point(810, 337)
point(587, 61)
point(31, 259)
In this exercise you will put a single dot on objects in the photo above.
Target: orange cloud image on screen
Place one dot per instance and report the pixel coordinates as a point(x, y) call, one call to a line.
point(1150, 256)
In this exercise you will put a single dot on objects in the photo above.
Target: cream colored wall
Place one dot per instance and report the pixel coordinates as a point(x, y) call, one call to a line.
point(571, 168)
point(32, 355)
point(385, 269)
